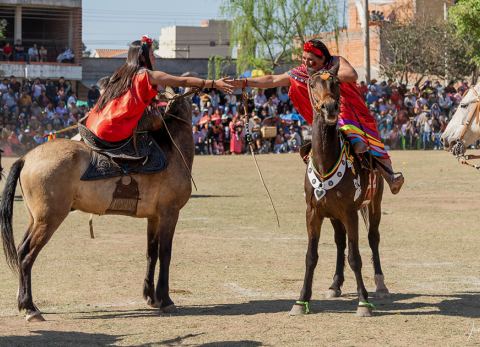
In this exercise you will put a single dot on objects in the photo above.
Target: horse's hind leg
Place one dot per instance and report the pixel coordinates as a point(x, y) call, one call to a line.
point(166, 230)
point(335, 289)
point(374, 216)
point(152, 256)
point(36, 237)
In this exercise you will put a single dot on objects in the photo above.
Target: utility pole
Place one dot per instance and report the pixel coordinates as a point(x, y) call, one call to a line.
point(366, 37)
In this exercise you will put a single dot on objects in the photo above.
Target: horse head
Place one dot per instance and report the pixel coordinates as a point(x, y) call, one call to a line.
point(324, 92)
point(464, 127)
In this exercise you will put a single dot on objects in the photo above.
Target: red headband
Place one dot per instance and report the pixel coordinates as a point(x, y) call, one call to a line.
point(147, 40)
point(309, 47)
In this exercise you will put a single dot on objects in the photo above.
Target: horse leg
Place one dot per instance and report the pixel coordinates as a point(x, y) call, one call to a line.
point(166, 229)
point(354, 259)
point(314, 224)
point(152, 256)
point(374, 216)
point(335, 289)
point(36, 237)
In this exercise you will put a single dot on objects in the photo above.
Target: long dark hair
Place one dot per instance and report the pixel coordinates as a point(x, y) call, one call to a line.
point(321, 46)
point(138, 57)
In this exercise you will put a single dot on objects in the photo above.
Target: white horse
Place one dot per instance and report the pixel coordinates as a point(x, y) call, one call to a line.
point(464, 127)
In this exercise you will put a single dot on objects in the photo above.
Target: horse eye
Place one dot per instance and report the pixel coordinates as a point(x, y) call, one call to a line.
point(463, 105)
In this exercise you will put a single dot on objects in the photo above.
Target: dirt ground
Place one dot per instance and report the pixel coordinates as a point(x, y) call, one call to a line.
point(235, 275)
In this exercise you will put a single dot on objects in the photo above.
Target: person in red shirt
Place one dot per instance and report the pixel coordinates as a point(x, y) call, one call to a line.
point(131, 89)
point(355, 120)
point(7, 51)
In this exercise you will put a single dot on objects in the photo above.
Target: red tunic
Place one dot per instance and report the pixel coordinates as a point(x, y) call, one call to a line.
point(118, 119)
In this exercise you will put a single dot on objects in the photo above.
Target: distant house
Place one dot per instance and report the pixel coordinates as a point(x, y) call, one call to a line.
point(109, 53)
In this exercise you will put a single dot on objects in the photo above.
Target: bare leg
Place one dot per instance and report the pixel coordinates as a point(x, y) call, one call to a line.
point(314, 224)
point(152, 256)
point(335, 289)
point(168, 222)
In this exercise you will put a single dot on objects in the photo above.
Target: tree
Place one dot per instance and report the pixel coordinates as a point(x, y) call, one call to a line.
point(3, 27)
point(465, 17)
point(420, 47)
point(267, 32)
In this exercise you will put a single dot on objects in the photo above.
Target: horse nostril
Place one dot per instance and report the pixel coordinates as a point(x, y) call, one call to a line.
point(336, 106)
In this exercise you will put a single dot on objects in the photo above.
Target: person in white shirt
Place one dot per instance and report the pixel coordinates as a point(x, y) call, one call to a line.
point(33, 53)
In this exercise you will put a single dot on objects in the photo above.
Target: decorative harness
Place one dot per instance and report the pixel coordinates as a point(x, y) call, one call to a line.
point(458, 149)
point(323, 182)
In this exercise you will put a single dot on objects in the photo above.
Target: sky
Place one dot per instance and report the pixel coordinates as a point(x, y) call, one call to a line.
point(114, 23)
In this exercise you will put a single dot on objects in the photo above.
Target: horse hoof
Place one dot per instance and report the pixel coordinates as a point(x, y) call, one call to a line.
point(298, 310)
point(364, 311)
point(169, 309)
point(152, 303)
point(382, 293)
point(333, 293)
point(34, 316)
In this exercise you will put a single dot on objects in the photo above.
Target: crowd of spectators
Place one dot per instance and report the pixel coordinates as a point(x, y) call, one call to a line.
point(32, 111)
point(18, 52)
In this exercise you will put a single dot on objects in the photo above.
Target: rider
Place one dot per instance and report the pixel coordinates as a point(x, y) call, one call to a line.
point(131, 89)
point(355, 120)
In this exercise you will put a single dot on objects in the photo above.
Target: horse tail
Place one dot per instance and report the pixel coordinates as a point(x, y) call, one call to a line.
point(6, 214)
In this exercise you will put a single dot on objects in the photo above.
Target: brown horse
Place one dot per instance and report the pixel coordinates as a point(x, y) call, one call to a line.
point(50, 181)
point(336, 187)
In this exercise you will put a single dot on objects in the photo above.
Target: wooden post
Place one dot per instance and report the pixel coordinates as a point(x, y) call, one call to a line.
point(366, 37)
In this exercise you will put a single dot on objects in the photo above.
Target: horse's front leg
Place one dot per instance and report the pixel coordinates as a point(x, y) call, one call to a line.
point(335, 289)
point(152, 256)
point(314, 224)
point(166, 229)
point(354, 259)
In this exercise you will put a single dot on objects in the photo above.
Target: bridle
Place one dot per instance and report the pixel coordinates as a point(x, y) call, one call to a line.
point(324, 75)
point(458, 149)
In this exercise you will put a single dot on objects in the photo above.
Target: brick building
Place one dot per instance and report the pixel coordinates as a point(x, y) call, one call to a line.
point(350, 40)
point(54, 24)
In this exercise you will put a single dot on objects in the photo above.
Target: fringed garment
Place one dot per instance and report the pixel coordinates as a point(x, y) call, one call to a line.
point(355, 120)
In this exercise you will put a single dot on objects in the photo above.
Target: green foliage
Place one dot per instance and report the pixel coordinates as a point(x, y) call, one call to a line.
point(465, 16)
point(422, 47)
point(267, 32)
point(3, 27)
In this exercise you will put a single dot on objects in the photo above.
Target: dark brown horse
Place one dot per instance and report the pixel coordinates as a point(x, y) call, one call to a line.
point(50, 175)
point(336, 187)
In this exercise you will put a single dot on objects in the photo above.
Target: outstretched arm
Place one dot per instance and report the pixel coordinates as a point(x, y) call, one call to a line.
point(164, 79)
point(269, 81)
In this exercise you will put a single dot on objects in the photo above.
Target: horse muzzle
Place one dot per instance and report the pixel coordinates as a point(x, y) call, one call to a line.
point(330, 110)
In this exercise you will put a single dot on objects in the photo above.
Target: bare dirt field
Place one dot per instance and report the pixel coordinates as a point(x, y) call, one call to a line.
point(235, 275)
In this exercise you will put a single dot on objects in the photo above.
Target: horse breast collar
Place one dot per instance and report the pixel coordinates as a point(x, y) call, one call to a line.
point(322, 183)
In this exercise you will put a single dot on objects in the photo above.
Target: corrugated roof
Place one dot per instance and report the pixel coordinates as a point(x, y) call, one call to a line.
point(110, 53)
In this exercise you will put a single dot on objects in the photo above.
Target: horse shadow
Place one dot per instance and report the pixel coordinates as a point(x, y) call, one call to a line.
point(74, 338)
point(465, 304)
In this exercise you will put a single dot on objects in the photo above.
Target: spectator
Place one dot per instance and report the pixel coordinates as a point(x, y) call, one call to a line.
point(33, 54)
point(93, 95)
point(42, 52)
point(7, 52)
point(19, 51)
point(66, 56)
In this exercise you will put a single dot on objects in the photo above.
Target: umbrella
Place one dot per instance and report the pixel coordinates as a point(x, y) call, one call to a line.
point(204, 119)
point(246, 74)
point(292, 117)
point(216, 117)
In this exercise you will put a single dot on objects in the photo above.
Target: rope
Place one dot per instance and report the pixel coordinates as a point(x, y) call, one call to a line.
point(250, 145)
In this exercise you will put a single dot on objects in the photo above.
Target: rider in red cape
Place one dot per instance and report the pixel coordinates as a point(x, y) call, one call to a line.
point(131, 89)
point(355, 120)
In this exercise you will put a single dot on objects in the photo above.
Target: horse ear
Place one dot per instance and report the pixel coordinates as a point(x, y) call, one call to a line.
point(335, 67)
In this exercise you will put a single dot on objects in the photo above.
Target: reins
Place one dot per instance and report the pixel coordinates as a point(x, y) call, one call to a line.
point(250, 145)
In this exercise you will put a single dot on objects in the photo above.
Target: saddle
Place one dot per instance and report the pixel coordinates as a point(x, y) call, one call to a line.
point(139, 154)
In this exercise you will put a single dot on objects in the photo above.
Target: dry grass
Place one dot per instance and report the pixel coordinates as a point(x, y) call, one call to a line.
point(234, 276)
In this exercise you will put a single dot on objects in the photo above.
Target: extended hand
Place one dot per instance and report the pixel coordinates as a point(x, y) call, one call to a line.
point(224, 85)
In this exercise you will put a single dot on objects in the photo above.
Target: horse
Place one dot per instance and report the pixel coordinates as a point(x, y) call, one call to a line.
point(49, 177)
point(336, 186)
point(464, 127)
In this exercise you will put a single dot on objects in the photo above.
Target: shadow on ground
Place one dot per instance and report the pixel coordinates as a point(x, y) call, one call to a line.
point(459, 305)
point(73, 338)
